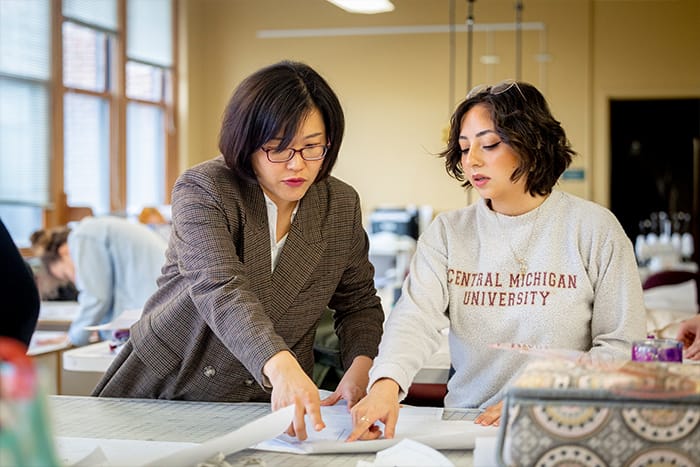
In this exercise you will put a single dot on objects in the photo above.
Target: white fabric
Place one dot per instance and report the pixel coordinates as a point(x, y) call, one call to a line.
point(581, 290)
point(275, 246)
point(668, 305)
point(681, 297)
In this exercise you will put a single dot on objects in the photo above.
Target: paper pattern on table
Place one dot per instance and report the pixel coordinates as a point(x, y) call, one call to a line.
point(422, 424)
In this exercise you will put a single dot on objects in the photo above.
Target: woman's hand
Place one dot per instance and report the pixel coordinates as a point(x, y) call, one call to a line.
point(689, 335)
point(290, 385)
point(490, 416)
point(353, 386)
point(380, 404)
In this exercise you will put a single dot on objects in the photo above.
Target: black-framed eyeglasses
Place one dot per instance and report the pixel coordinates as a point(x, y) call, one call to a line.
point(309, 153)
point(498, 88)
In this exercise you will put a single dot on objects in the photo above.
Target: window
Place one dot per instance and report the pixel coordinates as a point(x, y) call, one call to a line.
point(149, 117)
point(25, 73)
point(85, 121)
point(88, 55)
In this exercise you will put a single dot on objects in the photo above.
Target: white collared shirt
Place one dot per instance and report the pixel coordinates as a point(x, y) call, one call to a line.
point(275, 246)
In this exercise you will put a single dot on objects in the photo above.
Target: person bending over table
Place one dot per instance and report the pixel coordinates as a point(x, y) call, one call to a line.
point(113, 263)
point(526, 264)
point(263, 240)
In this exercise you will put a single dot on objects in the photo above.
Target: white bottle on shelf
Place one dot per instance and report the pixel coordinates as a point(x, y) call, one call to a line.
point(687, 245)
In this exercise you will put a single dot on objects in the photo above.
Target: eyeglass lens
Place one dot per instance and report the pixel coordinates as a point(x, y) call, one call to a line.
point(309, 153)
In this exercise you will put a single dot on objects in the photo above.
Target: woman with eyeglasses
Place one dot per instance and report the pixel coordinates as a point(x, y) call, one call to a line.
point(526, 266)
point(263, 241)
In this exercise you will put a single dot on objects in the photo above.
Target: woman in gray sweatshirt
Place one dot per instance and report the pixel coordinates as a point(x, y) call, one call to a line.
point(526, 264)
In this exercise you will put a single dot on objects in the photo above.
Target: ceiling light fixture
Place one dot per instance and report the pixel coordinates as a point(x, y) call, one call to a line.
point(364, 6)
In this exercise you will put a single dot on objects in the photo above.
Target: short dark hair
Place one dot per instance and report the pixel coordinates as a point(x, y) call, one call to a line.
point(46, 242)
point(522, 119)
point(273, 100)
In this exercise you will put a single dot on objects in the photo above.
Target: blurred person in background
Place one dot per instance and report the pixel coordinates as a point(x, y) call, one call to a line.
point(113, 263)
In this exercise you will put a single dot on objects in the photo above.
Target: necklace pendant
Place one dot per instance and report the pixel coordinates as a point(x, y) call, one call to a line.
point(523, 267)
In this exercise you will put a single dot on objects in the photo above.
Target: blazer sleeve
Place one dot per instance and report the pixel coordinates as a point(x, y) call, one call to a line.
point(205, 236)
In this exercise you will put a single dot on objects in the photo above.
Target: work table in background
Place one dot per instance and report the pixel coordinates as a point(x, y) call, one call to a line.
point(56, 315)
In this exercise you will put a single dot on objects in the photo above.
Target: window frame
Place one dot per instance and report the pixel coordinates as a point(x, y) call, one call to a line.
point(59, 212)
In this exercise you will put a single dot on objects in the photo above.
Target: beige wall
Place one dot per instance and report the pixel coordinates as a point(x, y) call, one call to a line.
point(395, 88)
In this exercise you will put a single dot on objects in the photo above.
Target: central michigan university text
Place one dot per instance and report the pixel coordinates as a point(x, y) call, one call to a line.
point(514, 280)
point(503, 298)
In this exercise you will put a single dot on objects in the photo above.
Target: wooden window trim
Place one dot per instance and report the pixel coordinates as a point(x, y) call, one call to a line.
point(58, 211)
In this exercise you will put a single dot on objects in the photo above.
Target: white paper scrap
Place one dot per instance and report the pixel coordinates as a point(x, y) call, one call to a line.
point(91, 452)
point(408, 452)
point(485, 451)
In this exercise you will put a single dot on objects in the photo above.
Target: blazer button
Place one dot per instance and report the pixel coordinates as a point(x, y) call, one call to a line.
point(248, 382)
point(209, 371)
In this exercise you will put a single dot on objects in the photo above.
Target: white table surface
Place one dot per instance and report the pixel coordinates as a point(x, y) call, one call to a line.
point(92, 357)
point(44, 342)
point(62, 311)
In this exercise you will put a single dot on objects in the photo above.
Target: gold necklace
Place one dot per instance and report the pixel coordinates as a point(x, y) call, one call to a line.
point(520, 259)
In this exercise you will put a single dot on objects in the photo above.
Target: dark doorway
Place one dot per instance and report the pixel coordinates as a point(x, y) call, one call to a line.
point(655, 166)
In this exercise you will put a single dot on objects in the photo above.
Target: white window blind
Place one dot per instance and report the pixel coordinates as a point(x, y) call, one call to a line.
point(25, 38)
point(86, 152)
point(145, 157)
point(25, 65)
point(24, 142)
point(150, 56)
point(101, 13)
point(86, 119)
point(149, 28)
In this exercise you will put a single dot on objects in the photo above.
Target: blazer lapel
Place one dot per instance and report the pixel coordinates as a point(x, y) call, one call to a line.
point(301, 253)
point(256, 245)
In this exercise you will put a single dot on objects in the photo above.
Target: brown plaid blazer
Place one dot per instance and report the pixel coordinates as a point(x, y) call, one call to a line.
point(220, 312)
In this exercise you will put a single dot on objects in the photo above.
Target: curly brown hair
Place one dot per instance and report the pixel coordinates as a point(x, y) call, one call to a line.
point(522, 119)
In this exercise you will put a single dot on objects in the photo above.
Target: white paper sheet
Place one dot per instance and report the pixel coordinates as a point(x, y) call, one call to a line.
point(123, 321)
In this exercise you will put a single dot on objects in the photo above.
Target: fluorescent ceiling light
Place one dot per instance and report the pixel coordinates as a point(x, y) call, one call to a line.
point(364, 6)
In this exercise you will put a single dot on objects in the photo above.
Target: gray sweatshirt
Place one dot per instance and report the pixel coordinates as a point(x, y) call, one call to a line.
point(581, 291)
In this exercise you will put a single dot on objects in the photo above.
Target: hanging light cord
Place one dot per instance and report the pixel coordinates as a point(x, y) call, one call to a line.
point(453, 48)
point(518, 38)
point(470, 41)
